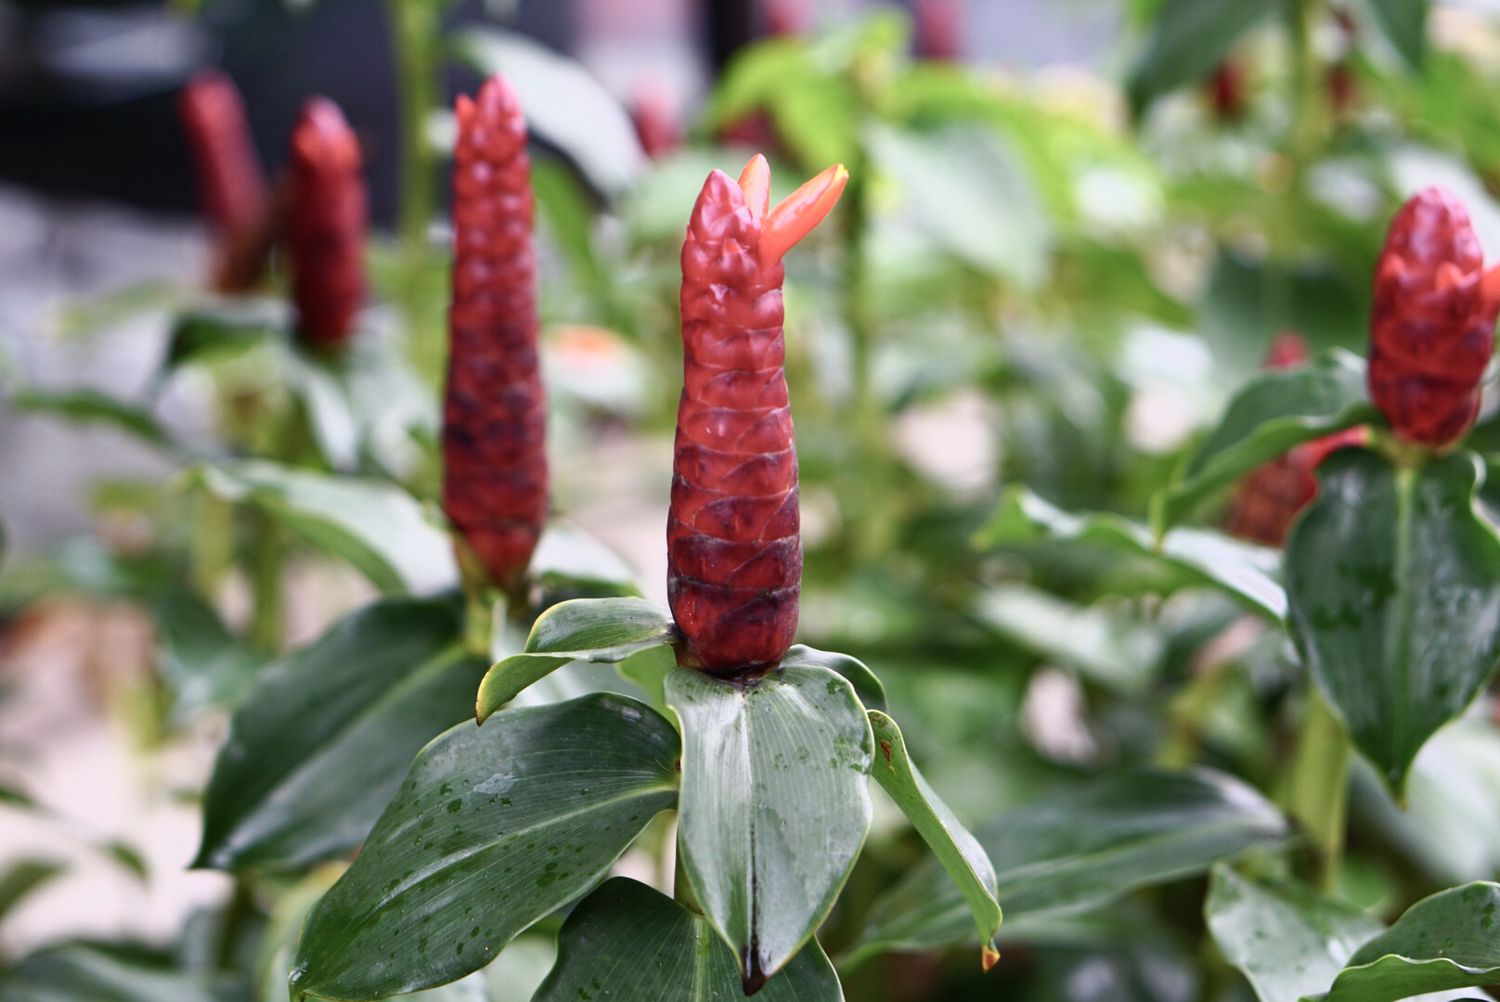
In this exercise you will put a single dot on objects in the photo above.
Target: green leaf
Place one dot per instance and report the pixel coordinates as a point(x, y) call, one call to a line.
point(23, 877)
point(1394, 586)
point(493, 829)
point(199, 659)
point(1275, 411)
point(1404, 24)
point(1104, 645)
point(775, 803)
point(971, 194)
point(374, 525)
point(77, 971)
point(318, 746)
point(564, 105)
point(1285, 939)
point(628, 941)
point(1449, 940)
point(1080, 849)
point(597, 630)
point(1247, 573)
point(229, 328)
point(567, 558)
point(85, 406)
point(958, 851)
point(1188, 39)
point(867, 686)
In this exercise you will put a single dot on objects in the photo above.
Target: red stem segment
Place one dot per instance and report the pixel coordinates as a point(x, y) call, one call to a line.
point(494, 412)
point(734, 548)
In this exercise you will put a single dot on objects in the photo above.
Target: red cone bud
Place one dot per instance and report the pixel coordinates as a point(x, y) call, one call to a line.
point(494, 411)
point(734, 549)
point(232, 187)
point(655, 119)
point(1432, 325)
point(325, 228)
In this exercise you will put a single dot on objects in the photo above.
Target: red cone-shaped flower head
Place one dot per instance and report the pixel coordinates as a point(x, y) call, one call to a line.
point(325, 229)
point(734, 549)
point(1273, 494)
point(939, 29)
point(232, 187)
point(1432, 325)
point(494, 411)
point(655, 118)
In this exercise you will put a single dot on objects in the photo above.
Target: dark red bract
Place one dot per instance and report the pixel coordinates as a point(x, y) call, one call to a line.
point(325, 227)
point(1432, 325)
point(734, 548)
point(232, 186)
point(494, 410)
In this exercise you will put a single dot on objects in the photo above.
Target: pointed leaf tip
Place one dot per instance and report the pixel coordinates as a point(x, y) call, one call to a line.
point(799, 212)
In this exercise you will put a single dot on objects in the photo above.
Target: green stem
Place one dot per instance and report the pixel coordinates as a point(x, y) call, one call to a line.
point(1317, 792)
point(268, 613)
point(415, 41)
point(682, 887)
point(240, 906)
point(479, 621)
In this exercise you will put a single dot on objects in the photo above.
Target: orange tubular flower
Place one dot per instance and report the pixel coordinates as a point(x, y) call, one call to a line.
point(734, 546)
point(494, 411)
point(1432, 326)
point(326, 225)
point(232, 187)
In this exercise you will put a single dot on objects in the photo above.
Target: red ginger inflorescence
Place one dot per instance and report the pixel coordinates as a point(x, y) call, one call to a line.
point(494, 411)
point(232, 186)
point(325, 230)
point(1432, 326)
point(734, 547)
point(1273, 494)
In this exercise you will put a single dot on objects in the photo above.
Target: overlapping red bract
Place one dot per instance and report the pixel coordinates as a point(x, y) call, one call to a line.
point(232, 186)
point(494, 410)
point(1273, 494)
point(1432, 325)
point(734, 549)
point(325, 230)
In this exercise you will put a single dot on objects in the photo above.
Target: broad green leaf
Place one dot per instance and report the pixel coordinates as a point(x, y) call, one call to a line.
point(1080, 849)
point(1247, 573)
point(972, 195)
point(318, 746)
point(1285, 939)
point(775, 803)
point(1105, 646)
point(492, 829)
point(958, 851)
point(1275, 411)
point(1394, 586)
point(197, 657)
point(225, 329)
point(374, 525)
point(1446, 941)
point(564, 105)
point(85, 406)
point(868, 687)
point(1188, 39)
point(1404, 23)
point(78, 971)
point(23, 877)
point(628, 941)
point(599, 630)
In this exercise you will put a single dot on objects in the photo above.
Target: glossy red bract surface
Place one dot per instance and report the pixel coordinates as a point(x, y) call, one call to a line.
point(494, 409)
point(1432, 325)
